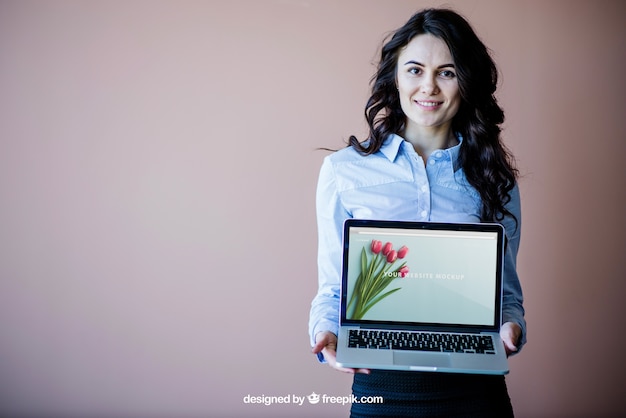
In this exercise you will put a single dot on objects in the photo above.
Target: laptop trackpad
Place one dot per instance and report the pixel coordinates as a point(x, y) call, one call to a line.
point(421, 359)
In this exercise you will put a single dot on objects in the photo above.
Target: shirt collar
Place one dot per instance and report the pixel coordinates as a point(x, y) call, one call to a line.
point(391, 148)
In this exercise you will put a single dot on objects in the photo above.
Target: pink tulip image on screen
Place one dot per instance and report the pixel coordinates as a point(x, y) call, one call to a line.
point(379, 267)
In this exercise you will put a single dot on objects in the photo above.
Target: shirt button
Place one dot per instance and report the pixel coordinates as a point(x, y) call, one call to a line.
point(424, 213)
point(431, 162)
point(424, 188)
point(438, 154)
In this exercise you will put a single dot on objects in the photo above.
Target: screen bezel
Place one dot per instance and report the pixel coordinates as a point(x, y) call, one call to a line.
point(430, 226)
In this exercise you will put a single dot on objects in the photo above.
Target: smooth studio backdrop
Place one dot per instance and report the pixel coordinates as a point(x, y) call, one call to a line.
point(158, 166)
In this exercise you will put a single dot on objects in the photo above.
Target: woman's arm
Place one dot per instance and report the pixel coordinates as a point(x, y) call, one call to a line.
point(324, 314)
point(514, 324)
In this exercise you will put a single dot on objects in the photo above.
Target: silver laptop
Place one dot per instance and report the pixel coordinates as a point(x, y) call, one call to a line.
point(422, 296)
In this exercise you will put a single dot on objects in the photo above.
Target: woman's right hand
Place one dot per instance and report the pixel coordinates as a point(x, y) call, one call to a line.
point(326, 343)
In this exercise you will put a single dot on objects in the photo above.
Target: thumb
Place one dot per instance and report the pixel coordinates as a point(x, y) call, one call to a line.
point(320, 342)
point(319, 346)
point(510, 344)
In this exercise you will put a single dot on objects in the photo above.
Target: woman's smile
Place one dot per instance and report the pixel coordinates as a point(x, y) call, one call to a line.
point(428, 105)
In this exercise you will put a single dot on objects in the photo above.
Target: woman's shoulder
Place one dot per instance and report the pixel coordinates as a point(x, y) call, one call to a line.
point(348, 155)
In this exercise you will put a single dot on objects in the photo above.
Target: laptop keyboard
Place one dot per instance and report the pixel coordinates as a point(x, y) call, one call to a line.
point(421, 341)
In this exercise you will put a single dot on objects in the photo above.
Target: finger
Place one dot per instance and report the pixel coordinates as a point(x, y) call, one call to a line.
point(344, 369)
point(322, 340)
point(512, 347)
point(319, 346)
point(331, 357)
point(509, 346)
point(350, 370)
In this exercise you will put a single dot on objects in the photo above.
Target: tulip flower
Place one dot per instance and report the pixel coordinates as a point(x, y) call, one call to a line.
point(376, 246)
point(378, 271)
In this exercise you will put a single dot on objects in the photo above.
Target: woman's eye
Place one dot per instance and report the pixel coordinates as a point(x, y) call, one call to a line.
point(447, 74)
point(415, 70)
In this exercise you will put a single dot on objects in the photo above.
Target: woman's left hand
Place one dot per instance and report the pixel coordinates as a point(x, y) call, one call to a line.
point(510, 333)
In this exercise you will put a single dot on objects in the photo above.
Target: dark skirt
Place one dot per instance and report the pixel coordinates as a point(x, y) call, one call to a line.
point(425, 394)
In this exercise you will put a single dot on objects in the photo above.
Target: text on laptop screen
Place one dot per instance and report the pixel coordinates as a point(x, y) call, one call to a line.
point(425, 276)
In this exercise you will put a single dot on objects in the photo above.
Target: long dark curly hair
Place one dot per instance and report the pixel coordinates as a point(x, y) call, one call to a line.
point(487, 163)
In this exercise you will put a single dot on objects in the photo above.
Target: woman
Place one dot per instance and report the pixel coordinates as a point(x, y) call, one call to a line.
point(433, 154)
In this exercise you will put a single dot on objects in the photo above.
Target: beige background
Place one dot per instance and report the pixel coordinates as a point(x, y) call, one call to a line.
point(157, 178)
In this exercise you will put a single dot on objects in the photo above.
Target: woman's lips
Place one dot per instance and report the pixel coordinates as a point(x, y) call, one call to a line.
point(428, 104)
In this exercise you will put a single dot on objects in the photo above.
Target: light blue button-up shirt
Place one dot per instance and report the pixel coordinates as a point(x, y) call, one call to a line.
point(395, 184)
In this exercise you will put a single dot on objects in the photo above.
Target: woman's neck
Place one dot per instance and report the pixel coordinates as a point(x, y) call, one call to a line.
point(427, 140)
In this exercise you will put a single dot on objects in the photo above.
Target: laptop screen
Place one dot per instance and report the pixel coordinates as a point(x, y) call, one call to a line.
point(420, 273)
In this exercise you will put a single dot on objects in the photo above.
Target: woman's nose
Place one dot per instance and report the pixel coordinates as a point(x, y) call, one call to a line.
point(429, 86)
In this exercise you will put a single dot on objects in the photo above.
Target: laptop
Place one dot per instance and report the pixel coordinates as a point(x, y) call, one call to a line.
point(422, 296)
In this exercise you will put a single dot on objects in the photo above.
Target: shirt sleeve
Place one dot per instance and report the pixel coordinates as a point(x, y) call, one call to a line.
point(324, 314)
point(513, 299)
